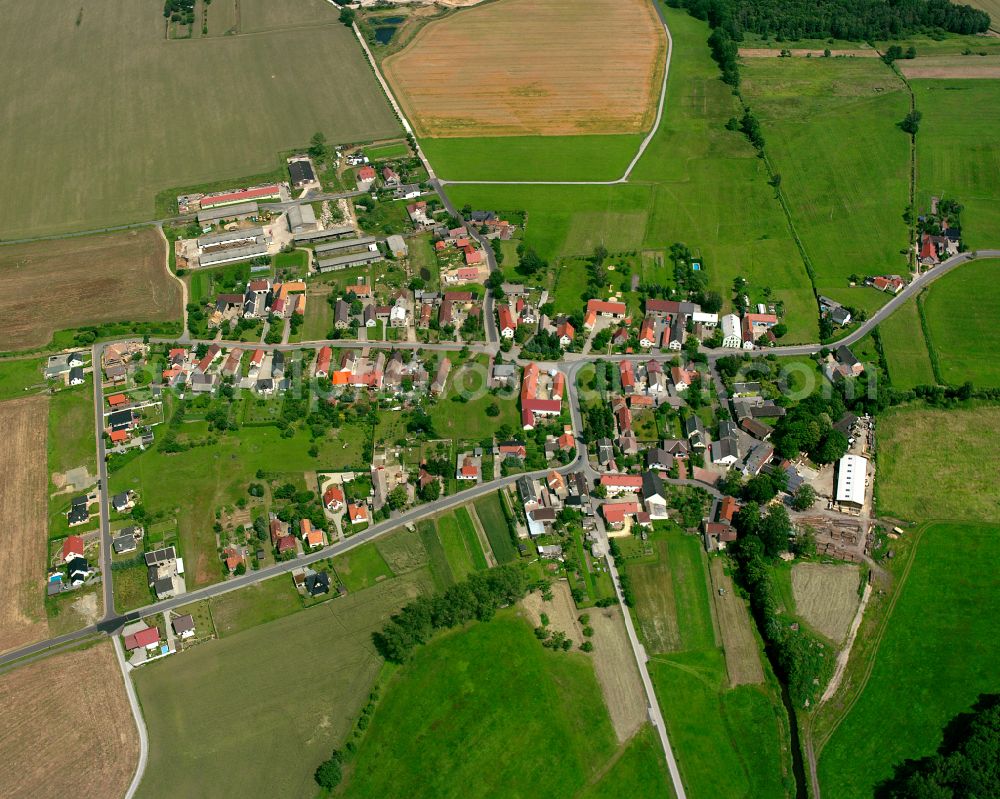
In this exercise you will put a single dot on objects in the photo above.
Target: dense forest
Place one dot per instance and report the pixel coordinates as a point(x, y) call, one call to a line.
point(840, 19)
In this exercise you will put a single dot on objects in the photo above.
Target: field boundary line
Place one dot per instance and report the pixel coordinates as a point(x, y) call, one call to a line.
point(140, 723)
point(926, 331)
point(643, 145)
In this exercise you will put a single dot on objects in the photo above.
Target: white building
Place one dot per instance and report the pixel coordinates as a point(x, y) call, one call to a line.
point(709, 320)
point(732, 335)
point(852, 473)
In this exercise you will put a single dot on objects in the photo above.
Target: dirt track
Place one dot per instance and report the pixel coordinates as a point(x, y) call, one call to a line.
point(67, 727)
point(23, 521)
point(550, 67)
point(614, 665)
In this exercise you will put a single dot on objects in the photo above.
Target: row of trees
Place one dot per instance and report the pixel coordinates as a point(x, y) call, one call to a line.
point(478, 597)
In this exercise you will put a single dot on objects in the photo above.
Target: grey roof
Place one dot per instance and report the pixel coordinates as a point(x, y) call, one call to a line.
point(228, 212)
point(163, 585)
point(327, 233)
point(725, 448)
point(343, 244)
point(301, 171)
point(344, 261)
point(160, 556)
point(657, 457)
point(183, 623)
point(124, 543)
point(227, 236)
point(757, 457)
point(727, 428)
point(526, 489)
point(652, 486)
point(692, 425)
point(845, 356)
point(299, 215)
point(232, 254)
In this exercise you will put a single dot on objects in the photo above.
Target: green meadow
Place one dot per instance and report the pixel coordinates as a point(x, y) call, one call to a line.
point(488, 711)
point(958, 153)
point(962, 311)
point(906, 348)
point(728, 741)
point(937, 655)
point(697, 183)
point(532, 157)
point(846, 201)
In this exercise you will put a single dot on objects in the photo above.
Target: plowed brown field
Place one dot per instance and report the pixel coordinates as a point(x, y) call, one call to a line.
point(67, 728)
point(23, 523)
point(522, 67)
point(66, 283)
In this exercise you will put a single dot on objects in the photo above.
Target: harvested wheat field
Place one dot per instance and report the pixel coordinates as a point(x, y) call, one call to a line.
point(740, 645)
point(74, 282)
point(614, 663)
point(950, 66)
point(546, 67)
point(23, 523)
point(67, 728)
point(826, 596)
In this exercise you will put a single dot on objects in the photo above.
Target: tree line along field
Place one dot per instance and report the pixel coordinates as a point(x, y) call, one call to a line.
point(960, 310)
point(937, 655)
point(958, 152)
point(90, 280)
point(301, 680)
point(697, 183)
point(125, 117)
point(938, 464)
point(67, 726)
point(488, 711)
point(729, 741)
point(526, 67)
point(846, 202)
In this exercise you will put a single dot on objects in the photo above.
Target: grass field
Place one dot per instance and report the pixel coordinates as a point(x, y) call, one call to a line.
point(951, 67)
point(739, 642)
point(728, 741)
point(301, 680)
point(962, 309)
point(54, 285)
point(475, 703)
point(938, 464)
point(21, 376)
point(455, 416)
point(395, 150)
point(71, 429)
point(192, 484)
point(23, 515)
point(807, 108)
point(361, 567)
point(53, 737)
point(491, 516)
point(672, 604)
point(532, 157)
point(253, 605)
point(458, 538)
point(958, 152)
point(906, 348)
point(524, 67)
point(140, 97)
point(679, 192)
point(937, 655)
point(826, 596)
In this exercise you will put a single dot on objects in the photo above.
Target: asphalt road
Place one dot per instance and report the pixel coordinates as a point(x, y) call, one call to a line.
point(102, 477)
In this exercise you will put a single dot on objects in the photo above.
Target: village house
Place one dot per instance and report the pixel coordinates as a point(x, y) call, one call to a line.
point(541, 395)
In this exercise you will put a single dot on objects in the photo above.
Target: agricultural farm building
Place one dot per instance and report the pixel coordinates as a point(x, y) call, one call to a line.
point(732, 336)
point(301, 172)
point(345, 261)
point(397, 246)
point(334, 232)
point(238, 212)
point(344, 244)
point(270, 192)
point(301, 219)
point(852, 473)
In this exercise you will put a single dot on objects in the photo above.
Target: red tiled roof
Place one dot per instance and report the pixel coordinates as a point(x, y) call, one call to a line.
point(239, 196)
point(628, 481)
point(602, 306)
point(117, 399)
point(72, 547)
point(146, 637)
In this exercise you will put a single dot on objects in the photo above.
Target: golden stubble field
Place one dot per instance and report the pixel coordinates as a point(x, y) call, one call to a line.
point(23, 523)
point(67, 727)
point(523, 67)
point(66, 283)
point(826, 596)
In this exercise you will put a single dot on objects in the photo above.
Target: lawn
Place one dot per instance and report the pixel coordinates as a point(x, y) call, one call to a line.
point(131, 587)
point(385, 151)
point(142, 96)
point(361, 567)
point(958, 153)
point(728, 741)
point(256, 604)
point(640, 772)
point(458, 538)
point(437, 558)
point(476, 705)
point(71, 429)
point(938, 464)
point(808, 108)
point(312, 670)
point(906, 348)
point(21, 376)
point(532, 157)
point(494, 522)
point(460, 412)
point(681, 191)
point(938, 654)
point(193, 483)
point(673, 608)
point(962, 310)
